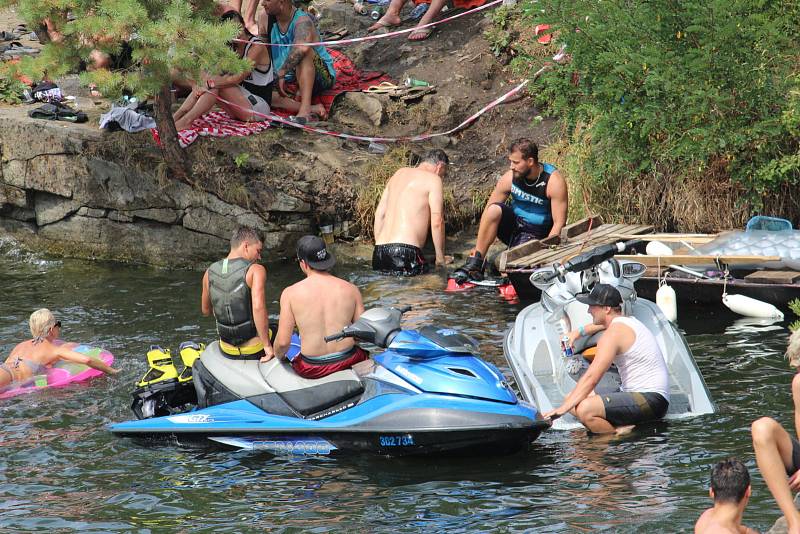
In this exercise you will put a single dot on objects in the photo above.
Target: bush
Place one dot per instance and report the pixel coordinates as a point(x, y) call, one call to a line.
point(666, 91)
point(10, 88)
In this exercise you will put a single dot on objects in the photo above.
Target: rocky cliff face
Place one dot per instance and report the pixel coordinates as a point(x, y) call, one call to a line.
point(58, 193)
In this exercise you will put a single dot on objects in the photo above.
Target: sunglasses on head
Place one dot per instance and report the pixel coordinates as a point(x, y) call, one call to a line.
point(57, 324)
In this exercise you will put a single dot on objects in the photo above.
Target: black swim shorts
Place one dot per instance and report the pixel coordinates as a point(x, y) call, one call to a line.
point(398, 258)
point(795, 458)
point(514, 230)
point(631, 408)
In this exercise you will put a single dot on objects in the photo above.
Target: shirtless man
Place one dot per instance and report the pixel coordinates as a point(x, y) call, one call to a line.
point(538, 208)
point(626, 342)
point(320, 305)
point(730, 489)
point(240, 309)
point(411, 199)
point(33, 357)
point(778, 452)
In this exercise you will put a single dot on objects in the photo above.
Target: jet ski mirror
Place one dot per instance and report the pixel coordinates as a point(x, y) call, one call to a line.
point(543, 278)
point(633, 270)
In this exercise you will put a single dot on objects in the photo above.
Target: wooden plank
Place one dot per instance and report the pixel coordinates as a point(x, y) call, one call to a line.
point(580, 227)
point(654, 261)
point(773, 277)
point(509, 257)
point(669, 238)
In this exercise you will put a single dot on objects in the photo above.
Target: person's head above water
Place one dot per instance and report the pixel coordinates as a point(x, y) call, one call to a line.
point(730, 481)
point(42, 322)
point(247, 243)
point(437, 158)
point(312, 251)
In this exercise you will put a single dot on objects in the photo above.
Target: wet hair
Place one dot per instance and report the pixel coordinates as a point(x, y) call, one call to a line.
point(244, 233)
point(436, 156)
point(793, 349)
point(730, 480)
point(526, 147)
point(41, 322)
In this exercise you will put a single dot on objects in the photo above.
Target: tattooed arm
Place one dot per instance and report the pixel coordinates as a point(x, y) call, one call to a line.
point(304, 32)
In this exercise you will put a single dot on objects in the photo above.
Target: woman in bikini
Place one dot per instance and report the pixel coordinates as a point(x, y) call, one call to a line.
point(33, 357)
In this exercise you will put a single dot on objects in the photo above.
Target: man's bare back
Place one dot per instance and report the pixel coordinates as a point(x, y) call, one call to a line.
point(407, 200)
point(321, 305)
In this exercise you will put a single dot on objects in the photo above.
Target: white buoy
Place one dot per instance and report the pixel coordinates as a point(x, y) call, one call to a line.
point(657, 248)
point(750, 307)
point(665, 299)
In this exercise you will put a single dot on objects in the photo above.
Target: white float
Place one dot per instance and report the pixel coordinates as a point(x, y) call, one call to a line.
point(750, 307)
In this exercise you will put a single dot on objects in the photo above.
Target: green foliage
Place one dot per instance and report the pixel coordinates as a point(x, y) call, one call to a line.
point(794, 305)
point(175, 37)
point(677, 89)
point(10, 88)
point(241, 159)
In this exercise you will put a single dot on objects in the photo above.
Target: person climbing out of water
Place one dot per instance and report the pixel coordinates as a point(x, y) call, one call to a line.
point(234, 290)
point(626, 342)
point(319, 305)
point(538, 207)
point(412, 198)
point(730, 490)
point(249, 93)
point(311, 67)
point(34, 356)
point(778, 452)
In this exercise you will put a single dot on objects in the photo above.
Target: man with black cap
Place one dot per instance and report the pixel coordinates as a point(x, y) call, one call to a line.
point(626, 342)
point(319, 305)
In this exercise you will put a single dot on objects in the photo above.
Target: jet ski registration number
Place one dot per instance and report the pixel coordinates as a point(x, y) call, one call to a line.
point(397, 441)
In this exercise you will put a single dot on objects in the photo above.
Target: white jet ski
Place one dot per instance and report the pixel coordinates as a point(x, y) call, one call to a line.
point(533, 345)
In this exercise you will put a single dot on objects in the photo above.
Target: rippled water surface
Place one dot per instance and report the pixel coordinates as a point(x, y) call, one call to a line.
point(61, 470)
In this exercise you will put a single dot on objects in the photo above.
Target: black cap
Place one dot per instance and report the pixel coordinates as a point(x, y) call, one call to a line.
point(601, 295)
point(311, 249)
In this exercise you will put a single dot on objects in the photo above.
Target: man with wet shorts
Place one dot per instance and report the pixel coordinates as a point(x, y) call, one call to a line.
point(538, 208)
point(411, 200)
point(319, 305)
point(311, 67)
point(629, 344)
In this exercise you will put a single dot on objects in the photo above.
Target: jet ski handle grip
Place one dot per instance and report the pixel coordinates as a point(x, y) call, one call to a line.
point(336, 337)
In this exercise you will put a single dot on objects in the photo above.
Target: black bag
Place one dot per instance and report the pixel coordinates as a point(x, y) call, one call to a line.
point(47, 92)
point(58, 112)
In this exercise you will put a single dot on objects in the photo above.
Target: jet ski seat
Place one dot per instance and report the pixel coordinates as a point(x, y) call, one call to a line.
point(312, 396)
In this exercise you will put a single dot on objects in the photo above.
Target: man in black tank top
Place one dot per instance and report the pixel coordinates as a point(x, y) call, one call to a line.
point(234, 291)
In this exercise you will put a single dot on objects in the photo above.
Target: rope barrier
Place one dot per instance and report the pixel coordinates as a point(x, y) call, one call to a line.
point(382, 35)
point(420, 137)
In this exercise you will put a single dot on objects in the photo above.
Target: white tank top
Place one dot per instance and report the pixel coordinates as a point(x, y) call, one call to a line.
point(642, 368)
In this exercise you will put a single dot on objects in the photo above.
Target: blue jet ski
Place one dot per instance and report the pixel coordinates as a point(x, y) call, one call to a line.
point(427, 393)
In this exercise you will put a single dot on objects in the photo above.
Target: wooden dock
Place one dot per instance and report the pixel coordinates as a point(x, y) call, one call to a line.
point(575, 238)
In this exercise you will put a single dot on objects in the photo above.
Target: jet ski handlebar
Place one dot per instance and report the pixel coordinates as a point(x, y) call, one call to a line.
point(587, 260)
point(376, 325)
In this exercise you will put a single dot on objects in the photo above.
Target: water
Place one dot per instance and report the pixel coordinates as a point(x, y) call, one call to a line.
point(60, 470)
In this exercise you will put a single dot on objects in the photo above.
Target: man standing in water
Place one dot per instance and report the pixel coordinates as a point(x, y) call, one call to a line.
point(320, 305)
point(412, 198)
point(538, 207)
point(778, 452)
point(234, 291)
point(626, 342)
point(730, 489)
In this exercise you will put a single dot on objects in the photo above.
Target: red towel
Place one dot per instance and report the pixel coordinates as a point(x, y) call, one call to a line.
point(220, 124)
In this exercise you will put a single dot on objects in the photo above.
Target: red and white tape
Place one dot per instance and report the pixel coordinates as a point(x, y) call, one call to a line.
point(352, 40)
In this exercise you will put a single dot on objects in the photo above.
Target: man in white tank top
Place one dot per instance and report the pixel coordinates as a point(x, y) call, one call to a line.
point(626, 342)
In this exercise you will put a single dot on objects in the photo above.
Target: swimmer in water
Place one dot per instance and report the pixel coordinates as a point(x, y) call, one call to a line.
point(33, 357)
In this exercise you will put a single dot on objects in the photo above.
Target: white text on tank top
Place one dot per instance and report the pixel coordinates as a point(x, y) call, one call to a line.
point(642, 368)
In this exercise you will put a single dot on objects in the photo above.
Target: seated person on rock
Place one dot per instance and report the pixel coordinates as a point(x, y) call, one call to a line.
point(778, 452)
point(33, 357)
point(392, 18)
point(311, 67)
point(538, 207)
point(626, 342)
point(319, 305)
point(234, 290)
point(412, 197)
point(249, 93)
point(730, 489)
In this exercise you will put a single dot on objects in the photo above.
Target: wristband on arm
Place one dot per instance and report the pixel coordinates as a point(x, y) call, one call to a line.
point(582, 331)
